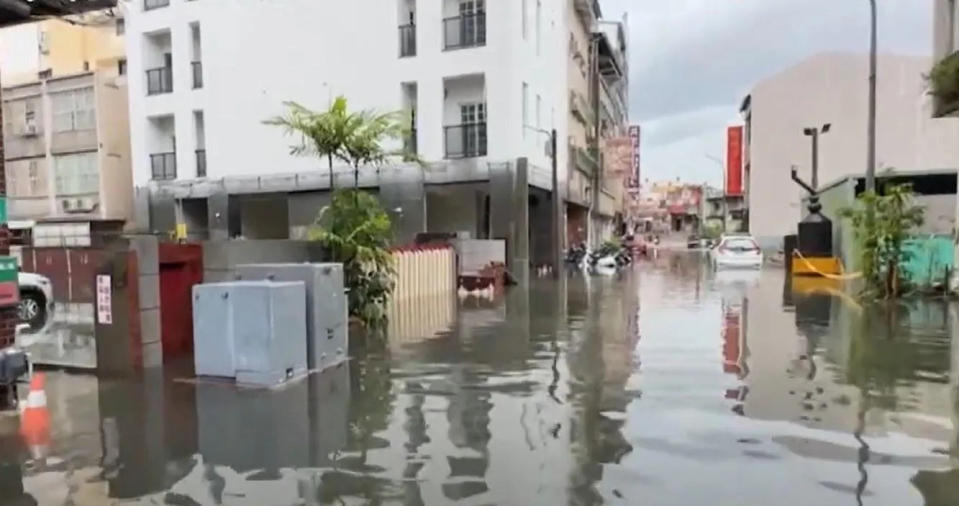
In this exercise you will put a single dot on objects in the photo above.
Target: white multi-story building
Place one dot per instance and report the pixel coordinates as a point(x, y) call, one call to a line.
point(485, 81)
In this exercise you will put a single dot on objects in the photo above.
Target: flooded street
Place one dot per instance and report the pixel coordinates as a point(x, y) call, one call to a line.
point(665, 385)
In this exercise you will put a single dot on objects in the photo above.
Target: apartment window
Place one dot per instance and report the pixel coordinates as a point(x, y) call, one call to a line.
point(122, 66)
point(539, 25)
point(121, 26)
point(76, 174)
point(473, 119)
point(525, 16)
point(33, 178)
point(45, 74)
point(154, 4)
point(539, 111)
point(73, 110)
point(525, 107)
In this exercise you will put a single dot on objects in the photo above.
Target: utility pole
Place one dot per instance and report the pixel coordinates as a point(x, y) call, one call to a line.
point(871, 153)
point(597, 131)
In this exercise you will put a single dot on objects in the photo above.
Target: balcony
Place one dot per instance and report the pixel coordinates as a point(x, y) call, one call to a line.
point(197, 74)
point(465, 141)
point(467, 30)
point(580, 109)
point(585, 161)
point(200, 163)
point(163, 166)
point(944, 85)
point(159, 80)
point(407, 40)
point(149, 5)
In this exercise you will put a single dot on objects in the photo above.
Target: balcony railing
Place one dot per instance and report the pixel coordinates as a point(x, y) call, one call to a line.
point(408, 40)
point(149, 5)
point(201, 163)
point(467, 30)
point(465, 141)
point(159, 80)
point(585, 161)
point(197, 74)
point(163, 166)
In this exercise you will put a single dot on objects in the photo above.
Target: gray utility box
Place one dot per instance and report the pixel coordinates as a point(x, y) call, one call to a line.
point(254, 331)
point(326, 306)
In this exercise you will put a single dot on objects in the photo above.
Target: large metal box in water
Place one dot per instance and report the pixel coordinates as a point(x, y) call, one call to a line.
point(252, 330)
point(326, 306)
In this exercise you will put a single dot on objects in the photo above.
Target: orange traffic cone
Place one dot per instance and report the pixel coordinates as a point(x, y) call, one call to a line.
point(35, 418)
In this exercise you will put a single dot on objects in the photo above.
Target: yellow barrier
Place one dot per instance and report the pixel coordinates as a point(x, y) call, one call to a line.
point(423, 271)
point(827, 268)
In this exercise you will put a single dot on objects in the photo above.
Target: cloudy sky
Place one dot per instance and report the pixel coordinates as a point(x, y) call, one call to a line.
point(692, 62)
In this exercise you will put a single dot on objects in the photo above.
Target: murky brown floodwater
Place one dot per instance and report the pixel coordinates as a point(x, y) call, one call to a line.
point(669, 385)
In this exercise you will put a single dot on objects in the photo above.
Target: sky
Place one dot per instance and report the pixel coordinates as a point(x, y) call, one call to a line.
point(693, 61)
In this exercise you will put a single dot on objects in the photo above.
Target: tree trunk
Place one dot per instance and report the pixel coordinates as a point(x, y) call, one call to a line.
point(329, 158)
point(356, 177)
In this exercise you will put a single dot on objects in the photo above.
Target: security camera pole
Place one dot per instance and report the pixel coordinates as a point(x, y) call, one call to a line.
point(814, 133)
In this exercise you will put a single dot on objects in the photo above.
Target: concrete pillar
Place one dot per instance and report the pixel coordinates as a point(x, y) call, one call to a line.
point(509, 214)
point(218, 216)
point(146, 248)
point(403, 196)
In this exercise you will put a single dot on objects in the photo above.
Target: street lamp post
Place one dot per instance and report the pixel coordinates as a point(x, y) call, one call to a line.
point(815, 133)
point(871, 153)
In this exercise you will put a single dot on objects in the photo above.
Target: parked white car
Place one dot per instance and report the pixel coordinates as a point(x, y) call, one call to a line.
point(736, 251)
point(36, 298)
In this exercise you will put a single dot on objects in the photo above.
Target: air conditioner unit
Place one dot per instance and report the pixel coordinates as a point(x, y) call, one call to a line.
point(66, 204)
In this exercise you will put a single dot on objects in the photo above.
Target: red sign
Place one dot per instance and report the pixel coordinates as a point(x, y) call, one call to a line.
point(633, 181)
point(734, 161)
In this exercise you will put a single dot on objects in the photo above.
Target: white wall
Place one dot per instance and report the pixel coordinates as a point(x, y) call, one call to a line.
point(831, 88)
point(19, 51)
point(459, 91)
point(298, 54)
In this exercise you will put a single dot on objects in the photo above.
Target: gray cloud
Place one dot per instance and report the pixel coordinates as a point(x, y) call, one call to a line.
point(692, 61)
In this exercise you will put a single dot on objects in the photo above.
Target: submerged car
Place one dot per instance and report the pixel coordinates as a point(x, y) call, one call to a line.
point(36, 299)
point(737, 251)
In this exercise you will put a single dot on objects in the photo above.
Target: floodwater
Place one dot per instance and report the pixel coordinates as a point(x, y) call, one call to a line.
point(665, 385)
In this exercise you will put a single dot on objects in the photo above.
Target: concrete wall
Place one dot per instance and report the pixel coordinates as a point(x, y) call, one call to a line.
point(455, 208)
point(220, 258)
point(113, 129)
point(264, 217)
point(829, 88)
point(255, 72)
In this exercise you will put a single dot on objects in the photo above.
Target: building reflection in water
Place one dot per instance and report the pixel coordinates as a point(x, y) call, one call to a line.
point(870, 370)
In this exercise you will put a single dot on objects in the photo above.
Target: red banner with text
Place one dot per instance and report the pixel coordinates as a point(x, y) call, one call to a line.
point(734, 161)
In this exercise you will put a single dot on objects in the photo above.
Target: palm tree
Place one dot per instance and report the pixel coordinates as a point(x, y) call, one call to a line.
point(355, 138)
point(322, 134)
point(367, 131)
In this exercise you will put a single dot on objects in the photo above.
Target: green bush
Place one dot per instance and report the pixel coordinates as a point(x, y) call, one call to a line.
point(355, 231)
point(944, 81)
point(882, 224)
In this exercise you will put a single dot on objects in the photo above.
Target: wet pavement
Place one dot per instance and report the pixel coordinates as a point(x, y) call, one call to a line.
point(668, 384)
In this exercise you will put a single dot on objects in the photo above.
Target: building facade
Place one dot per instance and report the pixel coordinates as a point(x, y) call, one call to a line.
point(484, 83)
point(65, 120)
point(830, 88)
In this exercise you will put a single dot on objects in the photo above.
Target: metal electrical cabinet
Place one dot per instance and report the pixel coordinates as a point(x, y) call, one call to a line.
point(326, 306)
point(213, 330)
point(252, 330)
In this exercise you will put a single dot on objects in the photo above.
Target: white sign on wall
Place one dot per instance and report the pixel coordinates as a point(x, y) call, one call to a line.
point(104, 300)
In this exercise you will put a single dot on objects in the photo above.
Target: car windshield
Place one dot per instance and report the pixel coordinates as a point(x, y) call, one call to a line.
point(740, 244)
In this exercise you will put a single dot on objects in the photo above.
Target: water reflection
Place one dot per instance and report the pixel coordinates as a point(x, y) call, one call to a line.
point(669, 384)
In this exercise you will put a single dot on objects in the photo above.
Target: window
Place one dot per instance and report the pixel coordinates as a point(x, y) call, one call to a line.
point(470, 114)
point(76, 174)
point(539, 25)
point(122, 66)
point(45, 74)
point(525, 107)
point(525, 16)
point(121, 26)
point(539, 111)
point(73, 110)
point(33, 176)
